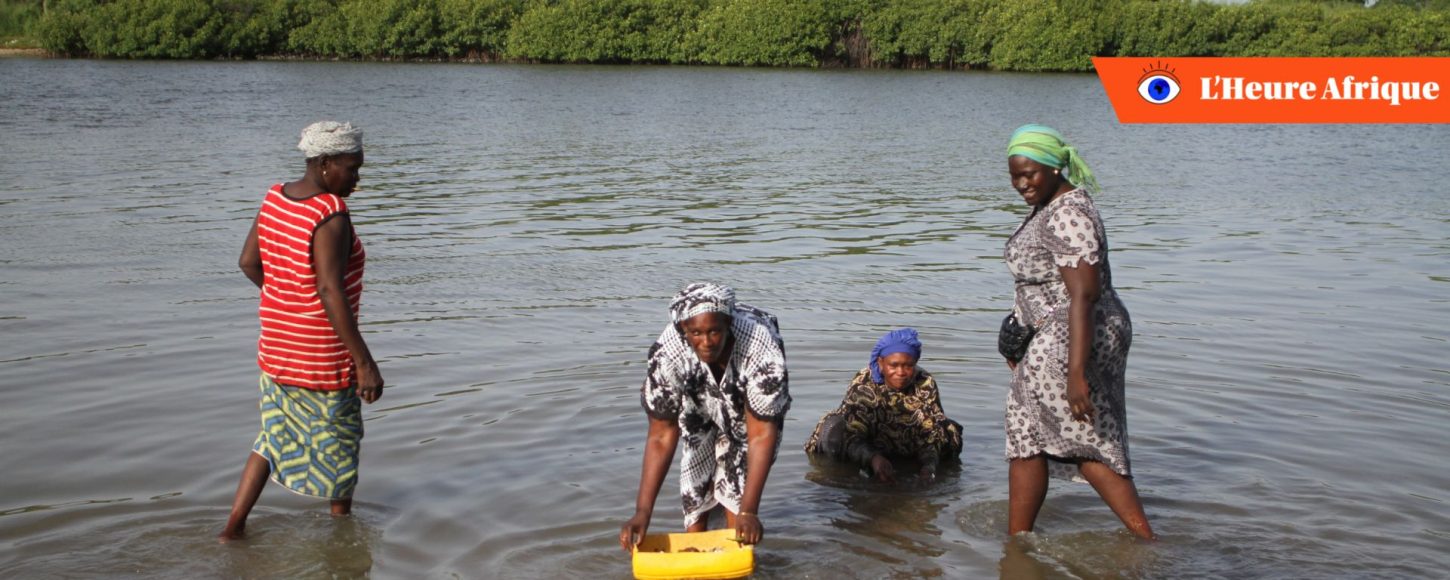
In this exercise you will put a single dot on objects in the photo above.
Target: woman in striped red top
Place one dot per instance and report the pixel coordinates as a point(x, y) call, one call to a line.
point(305, 257)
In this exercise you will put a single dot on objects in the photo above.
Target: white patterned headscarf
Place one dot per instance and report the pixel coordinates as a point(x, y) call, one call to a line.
point(700, 298)
point(330, 138)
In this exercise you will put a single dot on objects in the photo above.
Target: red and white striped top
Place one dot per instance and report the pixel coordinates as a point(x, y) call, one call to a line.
point(298, 346)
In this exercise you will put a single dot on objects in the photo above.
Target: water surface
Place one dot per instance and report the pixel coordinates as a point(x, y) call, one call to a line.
point(526, 226)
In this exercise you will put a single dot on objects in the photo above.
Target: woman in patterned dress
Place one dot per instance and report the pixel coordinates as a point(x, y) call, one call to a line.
point(717, 379)
point(1066, 416)
point(891, 410)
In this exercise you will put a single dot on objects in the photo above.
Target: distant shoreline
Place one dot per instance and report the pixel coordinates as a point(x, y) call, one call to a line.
point(24, 52)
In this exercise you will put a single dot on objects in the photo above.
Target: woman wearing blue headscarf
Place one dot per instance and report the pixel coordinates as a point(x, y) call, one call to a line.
point(892, 410)
point(1066, 415)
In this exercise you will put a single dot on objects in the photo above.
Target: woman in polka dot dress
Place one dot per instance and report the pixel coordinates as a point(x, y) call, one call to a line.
point(1066, 415)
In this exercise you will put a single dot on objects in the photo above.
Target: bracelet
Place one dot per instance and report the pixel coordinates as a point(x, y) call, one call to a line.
point(747, 514)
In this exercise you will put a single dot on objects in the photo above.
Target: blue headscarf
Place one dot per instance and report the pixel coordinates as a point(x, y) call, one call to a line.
point(899, 340)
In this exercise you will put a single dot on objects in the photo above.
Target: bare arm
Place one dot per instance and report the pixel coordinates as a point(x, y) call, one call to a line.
point(761, 436)
point(659, 452)
point(1083, 290)
point(331, 248)
point(251, 260)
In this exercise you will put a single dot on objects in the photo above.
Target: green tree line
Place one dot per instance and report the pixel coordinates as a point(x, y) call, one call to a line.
point(18, 19)
point(1028, 35)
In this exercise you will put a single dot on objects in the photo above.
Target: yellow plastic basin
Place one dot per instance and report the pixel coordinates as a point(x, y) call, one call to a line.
point(710, 555)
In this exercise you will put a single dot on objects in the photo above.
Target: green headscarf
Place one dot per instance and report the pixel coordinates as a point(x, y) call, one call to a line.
point(1046, 146)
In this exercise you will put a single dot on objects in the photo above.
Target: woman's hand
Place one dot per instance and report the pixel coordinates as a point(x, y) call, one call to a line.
point(633, 530)
point(748, 528)
point(1079, 398)
point(881, 466)
point(369, 382)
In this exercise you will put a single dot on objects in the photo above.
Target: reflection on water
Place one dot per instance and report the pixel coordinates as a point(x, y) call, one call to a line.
point(1079, 555)
point(180, 542)
point(900, 515)
point(1016, 564)
point(894, 519)
point(526, 227)
point(301, 545)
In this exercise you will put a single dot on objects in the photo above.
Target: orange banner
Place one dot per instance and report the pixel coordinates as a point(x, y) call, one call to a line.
point(1277, 90)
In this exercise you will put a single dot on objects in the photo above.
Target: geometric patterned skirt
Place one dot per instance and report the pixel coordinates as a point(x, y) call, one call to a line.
point(311, 438)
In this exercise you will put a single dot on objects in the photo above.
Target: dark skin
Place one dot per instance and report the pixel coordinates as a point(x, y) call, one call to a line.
point(897, 370)
point(331, 249)
point(709, 336)
point(1039, 184)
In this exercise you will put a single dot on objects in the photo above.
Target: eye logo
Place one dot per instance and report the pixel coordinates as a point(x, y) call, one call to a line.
point(1158, 85)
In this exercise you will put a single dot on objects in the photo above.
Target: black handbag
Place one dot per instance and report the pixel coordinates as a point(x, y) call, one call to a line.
point(1014, 337)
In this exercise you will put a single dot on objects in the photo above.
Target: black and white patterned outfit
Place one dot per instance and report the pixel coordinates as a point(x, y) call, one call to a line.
point(1066, 232)
point(711, 414)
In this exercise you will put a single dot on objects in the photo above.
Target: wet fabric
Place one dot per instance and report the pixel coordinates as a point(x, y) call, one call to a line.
point(874, 418)
point(311, 438)
point(1066, 232)
point(710, 413)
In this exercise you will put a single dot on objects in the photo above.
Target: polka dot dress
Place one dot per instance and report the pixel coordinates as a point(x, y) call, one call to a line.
point(1067, 232)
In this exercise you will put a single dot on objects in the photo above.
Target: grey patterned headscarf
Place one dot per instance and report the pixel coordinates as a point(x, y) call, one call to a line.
point(700, 298)
point(330, 138)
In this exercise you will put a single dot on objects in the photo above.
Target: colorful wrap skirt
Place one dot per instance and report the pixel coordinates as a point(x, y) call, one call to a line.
point(311, 438)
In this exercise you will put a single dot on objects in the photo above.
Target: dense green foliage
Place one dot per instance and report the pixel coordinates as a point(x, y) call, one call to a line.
point(605, 31)
point(764, 32)
point(997, 34)
point(17, 18)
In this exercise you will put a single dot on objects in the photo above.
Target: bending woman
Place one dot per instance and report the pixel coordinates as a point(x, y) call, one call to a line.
point(892, 409)
point(317, 371)
point(1066, 415)
point(716, 375)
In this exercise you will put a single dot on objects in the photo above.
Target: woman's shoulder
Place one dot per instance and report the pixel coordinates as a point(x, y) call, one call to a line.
point(327, 203)
point(670, 358)
point(924, 378)
point(758, 328)
point(669, 344)
point(1074, 214)
point(752, 315)
point(1076, 201)
point(862, 389)
point(863, 376)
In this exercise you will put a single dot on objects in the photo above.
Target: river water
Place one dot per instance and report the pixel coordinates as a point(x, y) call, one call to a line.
point(1289, 390)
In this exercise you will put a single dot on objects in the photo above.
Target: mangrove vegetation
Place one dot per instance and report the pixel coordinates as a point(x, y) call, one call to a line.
point(1026, 35)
